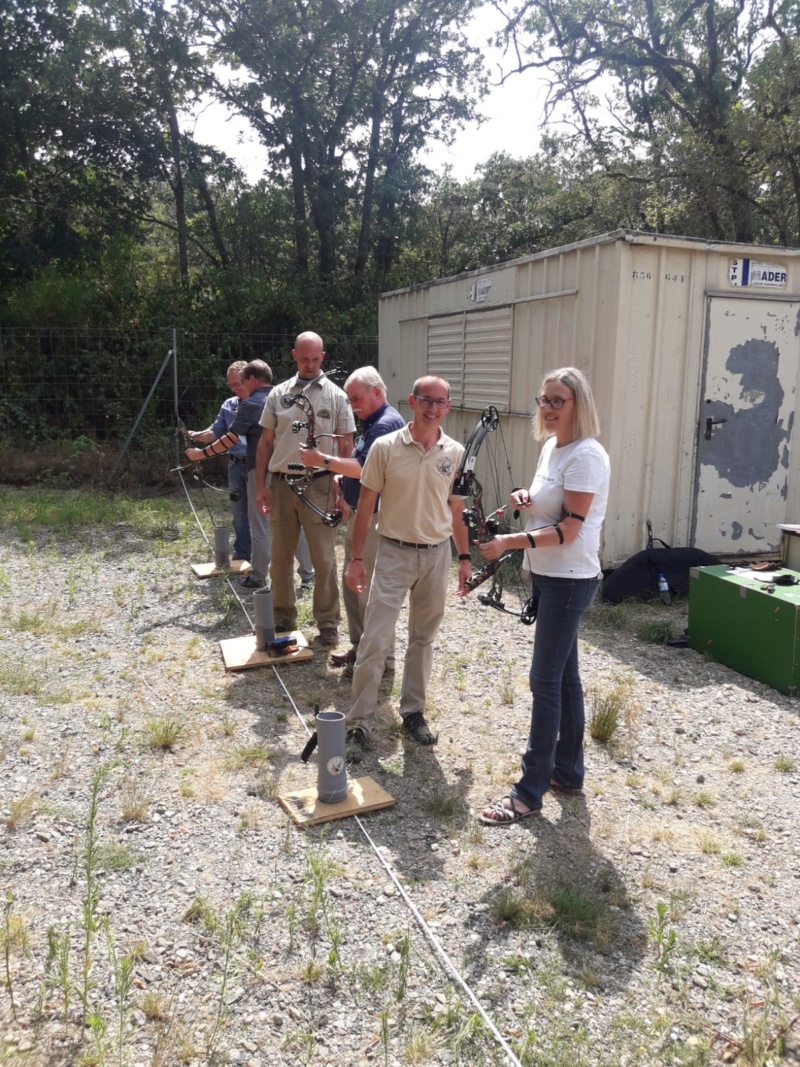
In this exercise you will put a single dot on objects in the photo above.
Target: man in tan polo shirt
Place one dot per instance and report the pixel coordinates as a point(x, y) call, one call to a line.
point(412, 470)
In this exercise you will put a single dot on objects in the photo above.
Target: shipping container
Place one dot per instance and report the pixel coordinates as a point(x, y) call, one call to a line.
point(693, 352)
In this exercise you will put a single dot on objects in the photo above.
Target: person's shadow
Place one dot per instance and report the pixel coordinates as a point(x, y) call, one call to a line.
point(559, 891)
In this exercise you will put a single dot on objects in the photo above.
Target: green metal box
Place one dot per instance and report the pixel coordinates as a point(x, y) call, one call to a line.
point(742, 621)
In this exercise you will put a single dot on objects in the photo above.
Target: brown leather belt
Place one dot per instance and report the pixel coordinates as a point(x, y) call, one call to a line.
point(409, 544)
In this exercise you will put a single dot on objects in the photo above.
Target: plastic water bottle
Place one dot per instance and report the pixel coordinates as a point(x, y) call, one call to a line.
point(663, 590)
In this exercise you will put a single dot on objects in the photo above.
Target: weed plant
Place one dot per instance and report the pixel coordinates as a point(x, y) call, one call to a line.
point(656, 632)
point(14, 941)
point(610, 708)
point(164, 733)
point(662, 936)
point(444, 805)
point(21, 811)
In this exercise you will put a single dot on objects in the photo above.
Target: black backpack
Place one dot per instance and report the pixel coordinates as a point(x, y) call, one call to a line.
point(637, 577)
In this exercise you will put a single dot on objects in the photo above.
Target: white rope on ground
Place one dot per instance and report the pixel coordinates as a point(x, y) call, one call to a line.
point(433, 941)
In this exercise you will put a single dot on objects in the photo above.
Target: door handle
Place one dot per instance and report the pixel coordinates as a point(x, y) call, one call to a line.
point(712, 422)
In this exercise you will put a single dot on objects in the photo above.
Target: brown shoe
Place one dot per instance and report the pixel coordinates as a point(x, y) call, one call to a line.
point(343, 659)
point(329, 637)
point(565, 790)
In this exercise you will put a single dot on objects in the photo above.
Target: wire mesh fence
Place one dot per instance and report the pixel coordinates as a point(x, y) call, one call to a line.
point(85, 388)
point(64, 383)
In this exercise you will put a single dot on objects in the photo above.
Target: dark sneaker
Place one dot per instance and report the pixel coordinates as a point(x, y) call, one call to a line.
point(354, 744)
point(329, 637)
point(414, 726)
point(249, 582)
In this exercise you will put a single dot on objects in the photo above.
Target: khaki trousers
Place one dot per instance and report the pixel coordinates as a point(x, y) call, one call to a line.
point(423, 574)
point(288, 515)
point(355, 604)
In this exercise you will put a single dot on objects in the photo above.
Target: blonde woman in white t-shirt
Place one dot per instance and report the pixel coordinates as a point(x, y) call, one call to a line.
point(565, 507)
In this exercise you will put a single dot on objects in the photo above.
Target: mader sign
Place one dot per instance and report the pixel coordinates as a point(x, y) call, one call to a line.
point(749, 272)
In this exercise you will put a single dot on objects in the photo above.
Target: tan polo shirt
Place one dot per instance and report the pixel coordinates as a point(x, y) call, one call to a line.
point(332, 413)
point(414, 486)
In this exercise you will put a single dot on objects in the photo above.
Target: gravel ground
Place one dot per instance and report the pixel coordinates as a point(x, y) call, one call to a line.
point(653, 921)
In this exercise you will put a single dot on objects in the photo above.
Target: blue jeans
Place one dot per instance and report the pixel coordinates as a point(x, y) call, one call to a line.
point(237, 483)
point(555, 745)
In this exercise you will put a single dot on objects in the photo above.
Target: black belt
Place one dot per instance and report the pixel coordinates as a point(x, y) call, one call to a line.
point(298, 474)
point(410, 544)
point(238, 459)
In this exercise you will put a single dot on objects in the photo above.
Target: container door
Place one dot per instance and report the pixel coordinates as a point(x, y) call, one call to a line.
point(745, 428)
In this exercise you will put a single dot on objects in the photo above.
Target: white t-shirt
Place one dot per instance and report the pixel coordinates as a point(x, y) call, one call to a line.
point(581, 467)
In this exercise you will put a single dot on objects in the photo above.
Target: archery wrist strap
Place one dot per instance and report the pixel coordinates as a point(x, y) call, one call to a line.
point(230, 438)
point(531, 540)
point(463, 557)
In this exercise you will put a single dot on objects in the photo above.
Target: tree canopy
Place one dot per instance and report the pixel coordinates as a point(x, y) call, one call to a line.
point(677, 116)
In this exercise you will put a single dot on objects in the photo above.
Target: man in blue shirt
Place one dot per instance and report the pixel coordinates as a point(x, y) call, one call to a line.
point(366, 392)
point(256, 385)
point(237, 460)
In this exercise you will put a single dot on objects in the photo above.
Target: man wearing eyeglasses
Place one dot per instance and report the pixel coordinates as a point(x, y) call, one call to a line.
point(412, 470)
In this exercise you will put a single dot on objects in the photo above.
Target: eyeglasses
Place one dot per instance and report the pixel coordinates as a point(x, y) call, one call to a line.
point(431, 401)
point(554, 402)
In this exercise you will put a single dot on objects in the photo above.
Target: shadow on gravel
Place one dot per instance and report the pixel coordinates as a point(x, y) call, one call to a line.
point(560, 889)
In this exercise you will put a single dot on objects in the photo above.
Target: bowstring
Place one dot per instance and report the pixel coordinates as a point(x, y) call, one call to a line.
point(497, 483)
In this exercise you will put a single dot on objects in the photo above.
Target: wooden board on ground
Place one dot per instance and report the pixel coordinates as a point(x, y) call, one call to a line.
point(363, 794)
point(241, 654)
point(211, 570)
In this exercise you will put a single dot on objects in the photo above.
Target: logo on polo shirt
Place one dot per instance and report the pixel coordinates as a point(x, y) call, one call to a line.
point(445, 466)
point(324, 414)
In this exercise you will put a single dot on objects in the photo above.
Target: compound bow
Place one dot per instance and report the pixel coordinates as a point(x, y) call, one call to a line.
point(486, 527)
point(300, 483)
point(194, 467)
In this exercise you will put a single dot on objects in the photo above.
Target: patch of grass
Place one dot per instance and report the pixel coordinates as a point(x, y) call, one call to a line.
point(154, 1007)
point(312, 972)
point(610, 708)
point(21, 811)
point(38, 620)
point(576, 914)
point(731, 859)
point(608, 616)
point(704, 799)
point(20, 680)
point(736, 766)
point(115, 857)
point(657, 632)
point(135, 801)
point(708, 844)
point(420, 1046)
point(73, 509)
point(751, 827)
point(444, 804)
point(164, 733)
point(248, 756)
point(785, 764)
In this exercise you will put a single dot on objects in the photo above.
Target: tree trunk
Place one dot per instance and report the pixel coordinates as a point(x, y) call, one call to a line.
point(208, 203)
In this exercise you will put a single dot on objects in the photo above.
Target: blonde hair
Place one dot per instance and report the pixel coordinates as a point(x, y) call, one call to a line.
point(587, 423)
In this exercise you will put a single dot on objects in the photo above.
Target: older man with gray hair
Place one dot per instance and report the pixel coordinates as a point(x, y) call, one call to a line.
point(366, 392)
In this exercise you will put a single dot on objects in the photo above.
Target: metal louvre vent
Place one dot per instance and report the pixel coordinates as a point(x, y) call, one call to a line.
point(472, 350)
point(446, 352)
point(487, 358)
